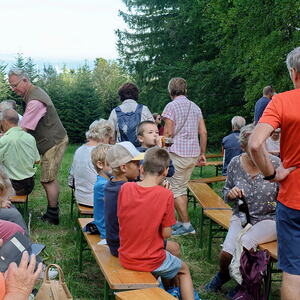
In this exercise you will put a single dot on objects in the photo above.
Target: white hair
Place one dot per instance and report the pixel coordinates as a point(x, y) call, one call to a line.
point(238, 122)
point(100, 129)
point(293, 60)
point(245, 133)
point(18, 72)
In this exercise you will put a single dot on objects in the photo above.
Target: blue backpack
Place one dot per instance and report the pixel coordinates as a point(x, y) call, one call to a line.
point(128, 122)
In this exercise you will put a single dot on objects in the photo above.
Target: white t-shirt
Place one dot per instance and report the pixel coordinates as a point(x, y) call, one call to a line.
point(84, 175)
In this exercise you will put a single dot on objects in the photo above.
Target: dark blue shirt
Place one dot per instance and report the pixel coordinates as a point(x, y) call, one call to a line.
point(111, 193)
point(171, 170)
point(232, 148)
point(260, 106)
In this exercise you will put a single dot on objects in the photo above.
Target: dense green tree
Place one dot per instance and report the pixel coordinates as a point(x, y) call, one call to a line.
point(4, 88)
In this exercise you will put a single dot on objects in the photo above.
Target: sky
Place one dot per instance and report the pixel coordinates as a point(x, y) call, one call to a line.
point(60, 29)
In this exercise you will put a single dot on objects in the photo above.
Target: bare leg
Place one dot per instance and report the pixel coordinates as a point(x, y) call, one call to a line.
point(290, 287)
point(181, 203)
point(185, 283)
point(52, 192)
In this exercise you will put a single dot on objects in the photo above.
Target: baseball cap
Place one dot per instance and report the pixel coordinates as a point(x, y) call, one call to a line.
point(122, 153)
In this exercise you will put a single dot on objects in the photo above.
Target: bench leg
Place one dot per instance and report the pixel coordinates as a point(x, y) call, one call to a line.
point(106, 291)
point(209, 240)
point(72, 203)
point(80, 249)
point(201, 228)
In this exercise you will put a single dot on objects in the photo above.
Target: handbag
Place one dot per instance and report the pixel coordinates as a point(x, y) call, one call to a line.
point(54, 289)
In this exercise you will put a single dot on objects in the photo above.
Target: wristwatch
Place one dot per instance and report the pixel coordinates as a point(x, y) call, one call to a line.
point(270, 177)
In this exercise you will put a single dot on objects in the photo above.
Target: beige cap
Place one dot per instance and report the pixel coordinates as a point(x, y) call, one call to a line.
point(122, 153)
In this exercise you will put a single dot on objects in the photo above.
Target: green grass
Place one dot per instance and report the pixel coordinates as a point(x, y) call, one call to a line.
point(61, 243)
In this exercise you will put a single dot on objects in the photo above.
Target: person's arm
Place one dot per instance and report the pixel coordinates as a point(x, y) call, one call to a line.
point(169, 128)
point(203, 141)
point(113, 119)
point(19, 281)
point(166, 232)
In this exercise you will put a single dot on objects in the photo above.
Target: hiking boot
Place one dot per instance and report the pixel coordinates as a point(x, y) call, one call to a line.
point(183, 231)
point(215, 284)
point(51, 216)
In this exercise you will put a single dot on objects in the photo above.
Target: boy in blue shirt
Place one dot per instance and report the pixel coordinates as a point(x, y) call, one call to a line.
point(98, 156)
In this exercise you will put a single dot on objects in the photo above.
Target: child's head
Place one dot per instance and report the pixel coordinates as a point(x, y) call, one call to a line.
point(124, 160)
point(147, 134)
point(6, 189)
point(156, 162)
point(98, 156)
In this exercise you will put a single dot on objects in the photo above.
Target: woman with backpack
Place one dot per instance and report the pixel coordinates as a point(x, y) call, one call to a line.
point(245, 181)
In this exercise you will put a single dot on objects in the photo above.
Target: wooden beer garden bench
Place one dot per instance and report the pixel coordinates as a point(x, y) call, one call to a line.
point(22, 202)
point(217, 164)
point(145, 294)
point(116, 277)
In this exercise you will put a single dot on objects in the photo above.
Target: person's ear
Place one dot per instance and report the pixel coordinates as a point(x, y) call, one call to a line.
point(142, 170)
point(165, 172)
point(140, 139)
point(100, 165)
point(123, 168)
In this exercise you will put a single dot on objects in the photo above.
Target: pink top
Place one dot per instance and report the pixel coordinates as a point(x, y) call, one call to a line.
point(8, 229)
point(186, 116)
point(35, 110)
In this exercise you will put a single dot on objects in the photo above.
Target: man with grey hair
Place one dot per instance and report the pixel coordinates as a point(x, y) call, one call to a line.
point(262, 103)
point(230, 143)
point(42, 121)
point(283, 112)
point(18, 153)
point(10, 104)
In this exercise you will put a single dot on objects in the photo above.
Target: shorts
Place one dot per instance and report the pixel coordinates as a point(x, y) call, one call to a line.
point(24, 186)
point(169, 268)
point(184, 167)
point(51, 161)
point(288, 235)
point(261, 232)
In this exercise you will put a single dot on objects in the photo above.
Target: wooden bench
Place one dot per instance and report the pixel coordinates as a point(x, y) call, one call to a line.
point(116, 277)
point(145, 294)
point(209, 180)
point(21, 201)
point(84, 210)
point(217, 164)
point(208, 156)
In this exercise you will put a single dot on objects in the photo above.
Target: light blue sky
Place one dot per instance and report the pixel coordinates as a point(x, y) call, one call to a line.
point(65, 29)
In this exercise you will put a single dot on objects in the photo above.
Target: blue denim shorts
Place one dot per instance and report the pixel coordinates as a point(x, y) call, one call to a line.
point(288, 235)
point(169, 268)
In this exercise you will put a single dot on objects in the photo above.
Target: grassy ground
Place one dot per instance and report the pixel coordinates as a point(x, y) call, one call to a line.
point(61, 243)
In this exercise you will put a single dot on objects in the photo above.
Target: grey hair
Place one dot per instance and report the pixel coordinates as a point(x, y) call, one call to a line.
point(100, 129)
point(5, 105)
point(9, 115)
point(238, 122)
point(245, 133)
point(293, 60)
point(18, 72)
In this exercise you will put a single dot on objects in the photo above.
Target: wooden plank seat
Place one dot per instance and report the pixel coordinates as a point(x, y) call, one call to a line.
point(116, 277)
point(215, 163)
point(208, 156)
point(271, 247)
point(145, 294)
point(84, 210)
point(209, 180)
point(21, 201)
point(222, 219)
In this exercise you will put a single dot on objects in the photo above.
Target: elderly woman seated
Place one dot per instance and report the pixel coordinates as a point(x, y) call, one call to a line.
point(245, 180)
point(82, 173)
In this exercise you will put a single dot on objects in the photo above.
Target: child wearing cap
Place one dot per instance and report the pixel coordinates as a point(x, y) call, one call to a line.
point(148, 136)
point(124, 160)
point(146, 216)
point(98, 156)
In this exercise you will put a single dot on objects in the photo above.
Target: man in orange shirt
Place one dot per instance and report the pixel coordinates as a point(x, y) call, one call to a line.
point(283, 112)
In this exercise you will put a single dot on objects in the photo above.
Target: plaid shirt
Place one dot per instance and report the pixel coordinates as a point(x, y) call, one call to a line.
point(186, 142)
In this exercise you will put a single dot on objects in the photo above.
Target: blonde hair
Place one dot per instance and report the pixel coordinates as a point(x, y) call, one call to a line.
point(245, 133)
point(6, 189)
point(100, 129)
point(99, 154)
point(177, 86)
point(117, 171)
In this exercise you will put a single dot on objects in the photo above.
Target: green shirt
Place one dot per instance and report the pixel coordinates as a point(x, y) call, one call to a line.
point(18, 153)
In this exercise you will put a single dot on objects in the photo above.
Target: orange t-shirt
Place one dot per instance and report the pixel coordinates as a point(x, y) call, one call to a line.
point(142, 212)
point(2, 286)
point(284, 112)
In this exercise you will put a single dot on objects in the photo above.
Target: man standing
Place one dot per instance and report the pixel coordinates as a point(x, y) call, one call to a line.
point(42, 121)
point(262, 103)
point(129, 114)
point(183, 122)
point(231, 146)
point(18, 153)
point(283, 112)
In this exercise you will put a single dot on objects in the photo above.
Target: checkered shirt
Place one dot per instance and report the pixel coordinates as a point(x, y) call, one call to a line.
point(186, 142)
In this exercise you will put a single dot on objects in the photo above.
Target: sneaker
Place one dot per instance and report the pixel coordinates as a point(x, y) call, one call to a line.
point(176, 226)
point(183, 231)
point(215, 284)
point(46, 218)
point(175, 292)
point(102, 242)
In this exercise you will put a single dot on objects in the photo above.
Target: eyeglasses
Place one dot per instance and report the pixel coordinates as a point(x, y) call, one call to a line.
point(13, 86)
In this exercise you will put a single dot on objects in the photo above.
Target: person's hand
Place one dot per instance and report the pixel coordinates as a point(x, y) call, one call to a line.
point(201, 160)
point(159, 141)
point(282, 173)
point(166, 184)
point(19, 281)
point(235, 192)
point(6, 204)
